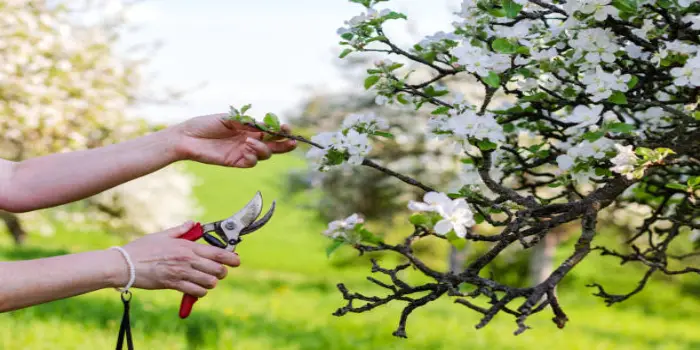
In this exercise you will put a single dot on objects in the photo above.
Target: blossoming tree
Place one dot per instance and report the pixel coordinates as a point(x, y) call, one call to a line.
point(608, 89)
point(64, 85)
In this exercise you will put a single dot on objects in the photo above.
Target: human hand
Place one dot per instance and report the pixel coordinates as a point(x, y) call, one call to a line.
point(162, 261)
point(215, 139)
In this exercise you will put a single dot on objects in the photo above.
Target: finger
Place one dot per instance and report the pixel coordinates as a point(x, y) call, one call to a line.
point(248, 161)
point(260, 149)
point(282, 147)
point(210, 267)
point(202, 279)
point(284, 129)
point(178, 231)
point(190, 288)
point(218, 255)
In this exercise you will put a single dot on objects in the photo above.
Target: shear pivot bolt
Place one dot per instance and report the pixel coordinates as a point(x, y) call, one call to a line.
point(230, 225)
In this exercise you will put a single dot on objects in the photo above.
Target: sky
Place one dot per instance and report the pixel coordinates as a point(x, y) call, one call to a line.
point(270, 53)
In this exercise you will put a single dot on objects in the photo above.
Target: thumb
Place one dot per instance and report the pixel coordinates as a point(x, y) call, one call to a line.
point(179, 230)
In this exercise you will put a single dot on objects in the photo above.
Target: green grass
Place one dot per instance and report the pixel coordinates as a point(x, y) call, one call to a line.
point(283, 294)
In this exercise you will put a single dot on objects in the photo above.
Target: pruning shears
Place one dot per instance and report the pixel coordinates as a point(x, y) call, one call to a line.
point(229, 231)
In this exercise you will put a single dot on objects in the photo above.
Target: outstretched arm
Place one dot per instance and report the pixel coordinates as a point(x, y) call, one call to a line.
point(161, 261)
point(65, 177)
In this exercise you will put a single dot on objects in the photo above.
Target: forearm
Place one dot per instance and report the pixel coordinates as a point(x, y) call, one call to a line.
point(61, 178)
point(32, 282)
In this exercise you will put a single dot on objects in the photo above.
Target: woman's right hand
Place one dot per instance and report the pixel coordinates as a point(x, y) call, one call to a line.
point(163, 261)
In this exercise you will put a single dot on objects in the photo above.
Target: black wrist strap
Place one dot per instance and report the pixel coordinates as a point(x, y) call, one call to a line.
point(125, 328)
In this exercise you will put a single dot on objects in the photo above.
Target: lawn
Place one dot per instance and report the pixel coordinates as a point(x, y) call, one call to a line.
point(283, 295)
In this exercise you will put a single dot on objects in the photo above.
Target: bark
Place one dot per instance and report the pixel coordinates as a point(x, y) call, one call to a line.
point(14, 226)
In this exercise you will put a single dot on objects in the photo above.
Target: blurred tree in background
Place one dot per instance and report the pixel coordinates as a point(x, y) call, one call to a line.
point(65, 85)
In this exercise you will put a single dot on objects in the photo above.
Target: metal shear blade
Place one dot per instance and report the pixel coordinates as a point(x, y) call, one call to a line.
point(243, 221)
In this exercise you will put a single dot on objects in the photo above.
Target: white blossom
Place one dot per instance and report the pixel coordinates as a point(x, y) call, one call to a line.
point(694, 20)
point(601, 84)
point(565, 162)
point(456, 214)
point(689, 74)
point(584, 116)
point(625, 160)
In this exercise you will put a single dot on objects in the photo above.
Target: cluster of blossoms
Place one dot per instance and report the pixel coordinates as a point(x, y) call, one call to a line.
point(352, 143)
point(345, 229)
point(467, 125)
point(601, 84)
point(625, 161)
point(480, 61)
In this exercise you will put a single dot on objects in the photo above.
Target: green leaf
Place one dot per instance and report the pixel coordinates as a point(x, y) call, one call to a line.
point(503, 46)
point(347, 36)
point(402, 99)
point(625, 5)
point(633, 82)
point(665, 3)
point(694, 181)
point(441, 110)
point(570, 92)
point(525, 72)
point(618, 97)
point(245, 108)
point(593, 136)
point(272, 121)
point(365, 3)
point(508, 127)
point(371, 80)
point(395, 15)
point(603, 172)
point(419, 219)
point(478, 218)
point(536, 97)
point(430, 91)
point(493, 80)
point(456, 241)
point(486, 145)
point(621, 127)
point(511, 8)
point(345, 53)
point(696, 115)
point(523, 50)
point(677, 186)
point(542, 154)
point(384, 134)
point(334, 246)
point(394, 66)
point(554, 184)
point(497, 12)
point(644, 152)
point(664, 151)
point(468, 161)
point(369, 237)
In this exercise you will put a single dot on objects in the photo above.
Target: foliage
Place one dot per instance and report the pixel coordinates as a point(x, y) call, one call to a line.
point(66, 86)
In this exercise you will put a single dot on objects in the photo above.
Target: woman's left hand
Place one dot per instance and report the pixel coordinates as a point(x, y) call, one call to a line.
point(215, 139)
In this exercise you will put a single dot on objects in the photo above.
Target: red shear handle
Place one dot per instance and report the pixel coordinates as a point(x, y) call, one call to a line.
point(188, 301)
